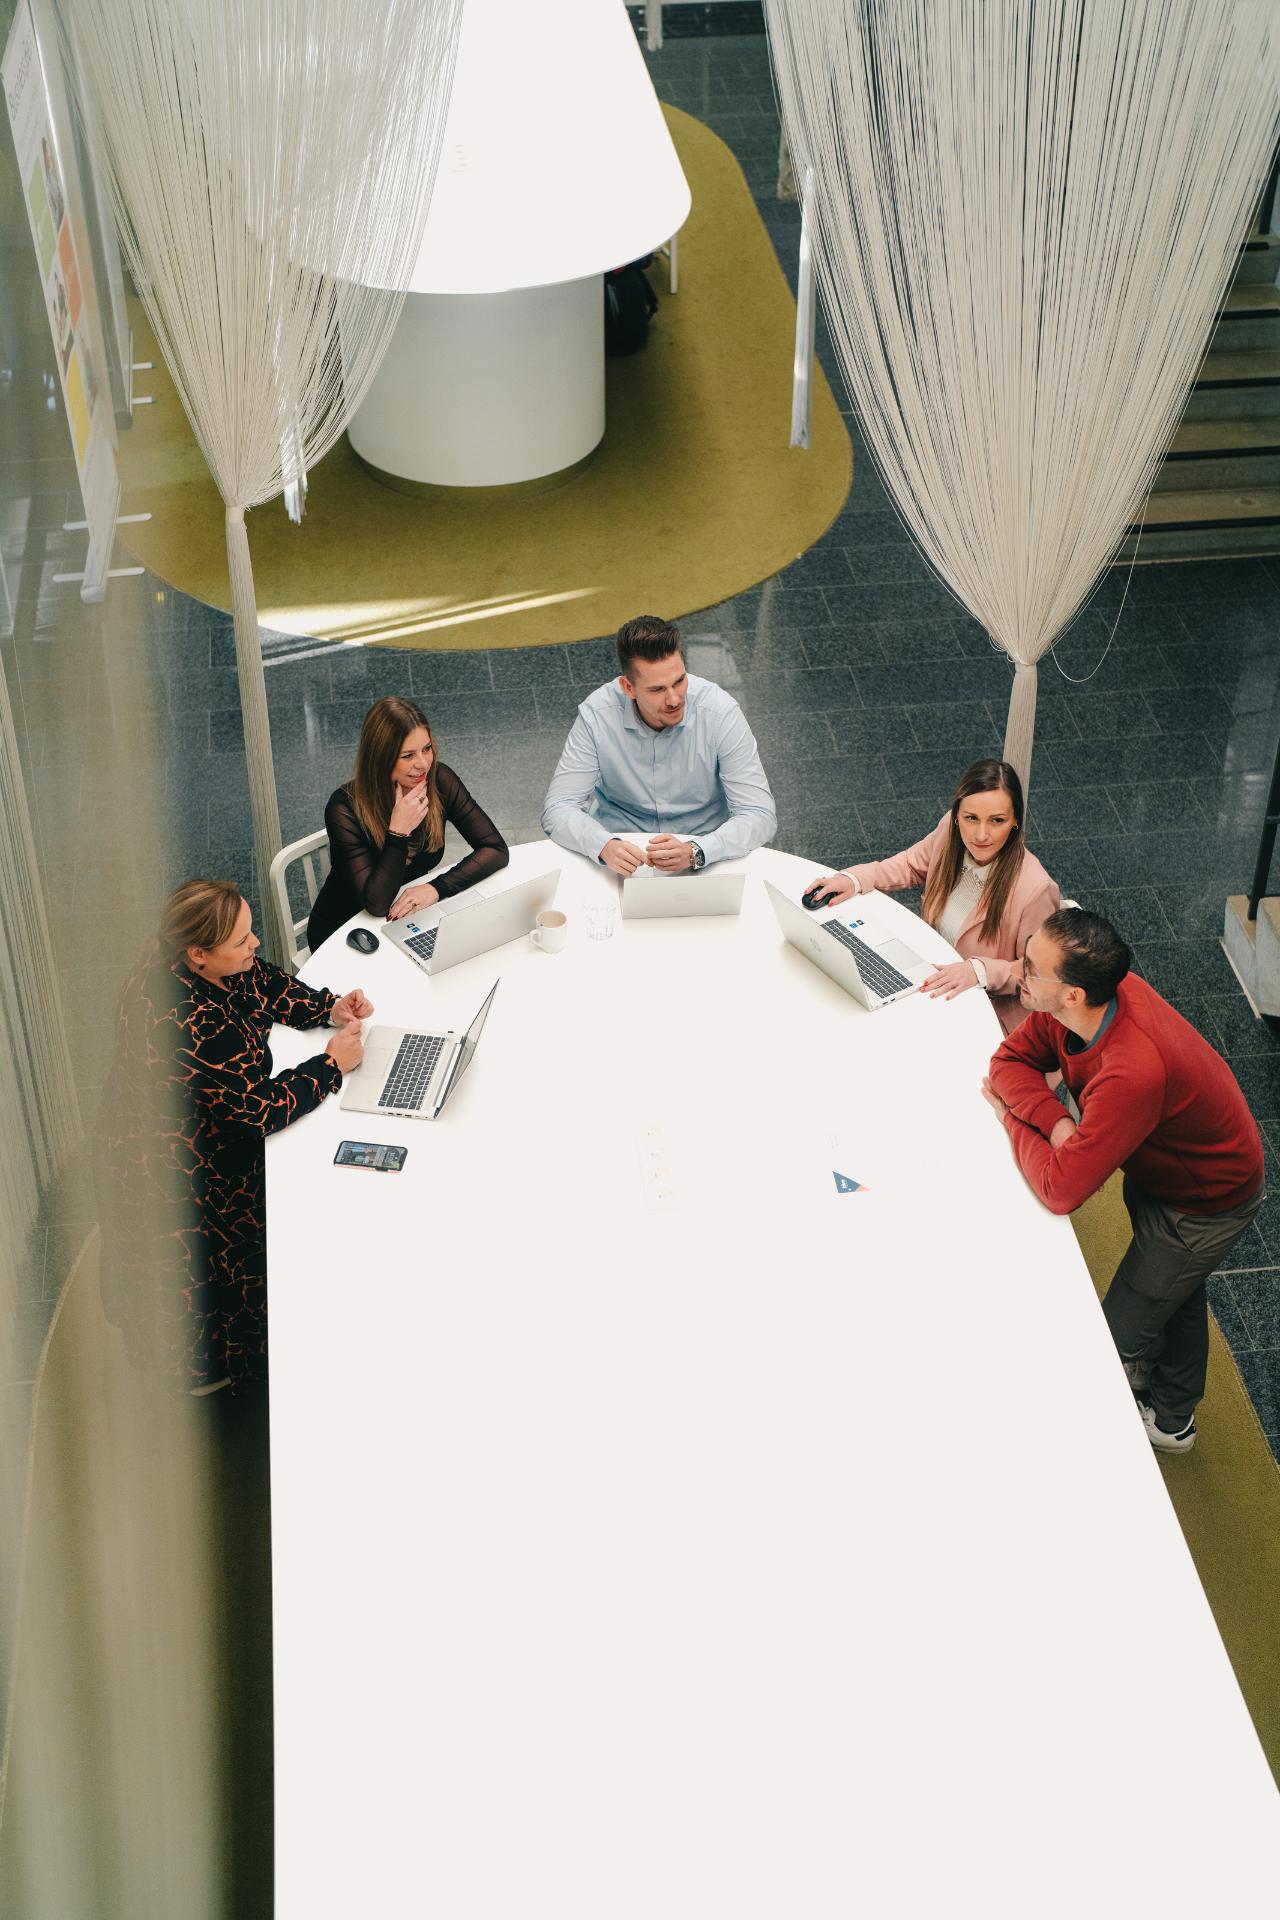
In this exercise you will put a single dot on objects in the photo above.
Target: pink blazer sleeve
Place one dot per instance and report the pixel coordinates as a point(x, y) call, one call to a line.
point(909, 868)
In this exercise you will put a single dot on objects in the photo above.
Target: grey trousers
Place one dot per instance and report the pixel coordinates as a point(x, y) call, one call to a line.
point(1157, 1306)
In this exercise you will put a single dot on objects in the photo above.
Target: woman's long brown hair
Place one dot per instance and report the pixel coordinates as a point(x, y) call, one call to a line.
point(386, 727)
point(984, 776)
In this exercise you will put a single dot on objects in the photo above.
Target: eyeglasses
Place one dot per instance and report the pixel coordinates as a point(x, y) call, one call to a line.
point(1027, 973)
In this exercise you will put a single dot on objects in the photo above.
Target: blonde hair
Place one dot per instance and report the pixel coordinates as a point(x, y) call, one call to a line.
point(385, 728)
point(201, 913)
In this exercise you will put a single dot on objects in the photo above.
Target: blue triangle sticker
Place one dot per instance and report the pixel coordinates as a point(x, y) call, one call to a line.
point(844, 1184)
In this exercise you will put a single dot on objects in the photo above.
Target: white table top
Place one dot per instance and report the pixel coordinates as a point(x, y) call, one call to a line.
point(685, 1537)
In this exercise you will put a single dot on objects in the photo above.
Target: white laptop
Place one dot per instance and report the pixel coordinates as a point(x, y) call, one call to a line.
point(874, 966)
point(659, 896)
point(412, 1074)
point(448, 933)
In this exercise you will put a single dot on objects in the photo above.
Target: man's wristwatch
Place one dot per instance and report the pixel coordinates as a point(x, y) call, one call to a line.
point(699, 859)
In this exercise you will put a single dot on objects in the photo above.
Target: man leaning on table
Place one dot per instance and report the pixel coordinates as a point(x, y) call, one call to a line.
point(659, 751)
point(1155, 1099)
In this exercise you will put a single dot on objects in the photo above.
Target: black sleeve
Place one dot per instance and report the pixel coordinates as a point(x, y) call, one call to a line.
point(489, 852)
point(214, 1065)
point(372, 879)
point(292, 1002)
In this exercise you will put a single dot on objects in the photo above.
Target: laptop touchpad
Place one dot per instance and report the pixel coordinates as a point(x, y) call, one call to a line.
point(899, 956)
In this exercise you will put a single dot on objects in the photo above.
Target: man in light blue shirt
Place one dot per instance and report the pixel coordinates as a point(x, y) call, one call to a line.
point(661, 752)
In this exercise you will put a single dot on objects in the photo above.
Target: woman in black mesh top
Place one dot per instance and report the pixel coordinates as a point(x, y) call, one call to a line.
point(386, 826)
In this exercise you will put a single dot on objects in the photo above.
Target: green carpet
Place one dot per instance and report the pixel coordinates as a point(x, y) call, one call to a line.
point(692, 496)
point(1225, 1492)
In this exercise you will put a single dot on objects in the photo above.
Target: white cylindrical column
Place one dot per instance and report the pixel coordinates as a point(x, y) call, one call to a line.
point(489, 389)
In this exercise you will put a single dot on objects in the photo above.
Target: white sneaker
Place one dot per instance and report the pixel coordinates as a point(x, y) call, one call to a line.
point(1180, 1442)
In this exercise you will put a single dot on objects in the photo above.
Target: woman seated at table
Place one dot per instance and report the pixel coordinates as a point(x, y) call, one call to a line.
point(983, 890)
point(386, 826)
point(189, 1101)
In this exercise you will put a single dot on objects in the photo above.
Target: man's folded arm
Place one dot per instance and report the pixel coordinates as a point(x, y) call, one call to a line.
point(753, 818)
point(1116, 1120)
point(565, 818)
point(1018, 1068)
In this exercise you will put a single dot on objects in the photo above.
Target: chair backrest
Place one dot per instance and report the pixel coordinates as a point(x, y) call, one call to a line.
point(312, 855)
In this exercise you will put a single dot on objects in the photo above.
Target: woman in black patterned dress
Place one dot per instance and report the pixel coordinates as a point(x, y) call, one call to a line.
point(187, 1107)
point(386, 826)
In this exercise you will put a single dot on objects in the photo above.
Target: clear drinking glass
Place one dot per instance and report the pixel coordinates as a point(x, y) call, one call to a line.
point(600, 921)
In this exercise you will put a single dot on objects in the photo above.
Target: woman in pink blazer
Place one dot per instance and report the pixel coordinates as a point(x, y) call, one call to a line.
point(983, 891)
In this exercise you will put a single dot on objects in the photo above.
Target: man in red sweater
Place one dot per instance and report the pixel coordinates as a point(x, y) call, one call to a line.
point(1155, 1099)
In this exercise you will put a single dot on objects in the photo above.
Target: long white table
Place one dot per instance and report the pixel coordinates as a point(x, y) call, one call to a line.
point(660, 1530)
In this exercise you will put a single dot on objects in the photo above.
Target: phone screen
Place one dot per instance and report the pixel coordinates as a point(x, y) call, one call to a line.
point(365, 1153)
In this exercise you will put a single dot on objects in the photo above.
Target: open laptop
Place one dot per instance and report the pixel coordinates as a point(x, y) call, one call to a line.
point(446, 934)
point(412, 1074)
point(659, 896)
point(873, 966)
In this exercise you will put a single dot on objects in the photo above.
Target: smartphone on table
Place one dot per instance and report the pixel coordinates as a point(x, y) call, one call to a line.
point(366, 1153)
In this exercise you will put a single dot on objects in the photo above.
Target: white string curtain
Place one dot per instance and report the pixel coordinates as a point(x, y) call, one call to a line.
point(270, 164)
point(1027, 213)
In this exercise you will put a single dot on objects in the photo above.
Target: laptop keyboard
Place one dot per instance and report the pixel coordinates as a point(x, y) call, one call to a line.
point(411, 1070)
point(423, 944)
point(876, 973)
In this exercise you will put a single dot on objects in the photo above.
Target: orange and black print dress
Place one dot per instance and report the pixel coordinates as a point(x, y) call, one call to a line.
point(181, 1166)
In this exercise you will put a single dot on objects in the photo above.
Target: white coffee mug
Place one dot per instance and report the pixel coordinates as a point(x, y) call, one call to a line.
point(550, 930)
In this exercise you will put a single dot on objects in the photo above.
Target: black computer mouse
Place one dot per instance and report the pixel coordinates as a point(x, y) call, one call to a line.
point(363, 941)
point(818, 896)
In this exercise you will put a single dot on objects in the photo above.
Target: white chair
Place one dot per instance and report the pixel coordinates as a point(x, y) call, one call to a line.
point(313, 853)
point(672, 252)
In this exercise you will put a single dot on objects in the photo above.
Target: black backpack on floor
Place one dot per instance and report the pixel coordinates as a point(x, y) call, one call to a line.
point(629, 305)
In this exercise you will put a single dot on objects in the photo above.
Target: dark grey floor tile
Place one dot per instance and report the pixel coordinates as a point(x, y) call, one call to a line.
point(873, 565)
point(842, 647)
point(1197, 965)
point(892, 825)
point(802, 736)
point(1114, 762)
point(1233, 802)
point(1247, 746)
point(1144, 626)
point(529, 667)
point(1257, 1295)
point(1070, 860)
point(963, 726)
point(1109, 716)
point(894, 601)
point(551, 709)
point(1259, 1078)
point(1188, 709)
point(1211, 623)
point(1154, 804)
point(887, 730)
point(1061, 812)
point(1222, 1304)
point(903, 642)
point(930, 682)
point(768, 691)
point(821, 566)
point(829, 836)
point(481, 712)
point(1239, 1029)
point(777, 604)
point(833, 780)
point(1189, 663)
point(433, 674)
point(1250, 1252)
point(1086, 664)
point(1135, 912)
point(592, 662)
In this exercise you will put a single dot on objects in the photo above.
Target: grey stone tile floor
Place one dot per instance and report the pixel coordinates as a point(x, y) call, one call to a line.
point(868, 686)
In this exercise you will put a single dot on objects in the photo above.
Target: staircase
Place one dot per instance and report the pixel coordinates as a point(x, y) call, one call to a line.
point(1218, 491)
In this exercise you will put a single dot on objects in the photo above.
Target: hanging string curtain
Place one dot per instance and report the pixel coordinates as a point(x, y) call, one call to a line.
point(1026, 218)
point(270, 164)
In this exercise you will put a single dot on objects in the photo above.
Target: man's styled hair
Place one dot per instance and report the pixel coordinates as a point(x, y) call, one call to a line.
point(1093, 954)
point(645, 638)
